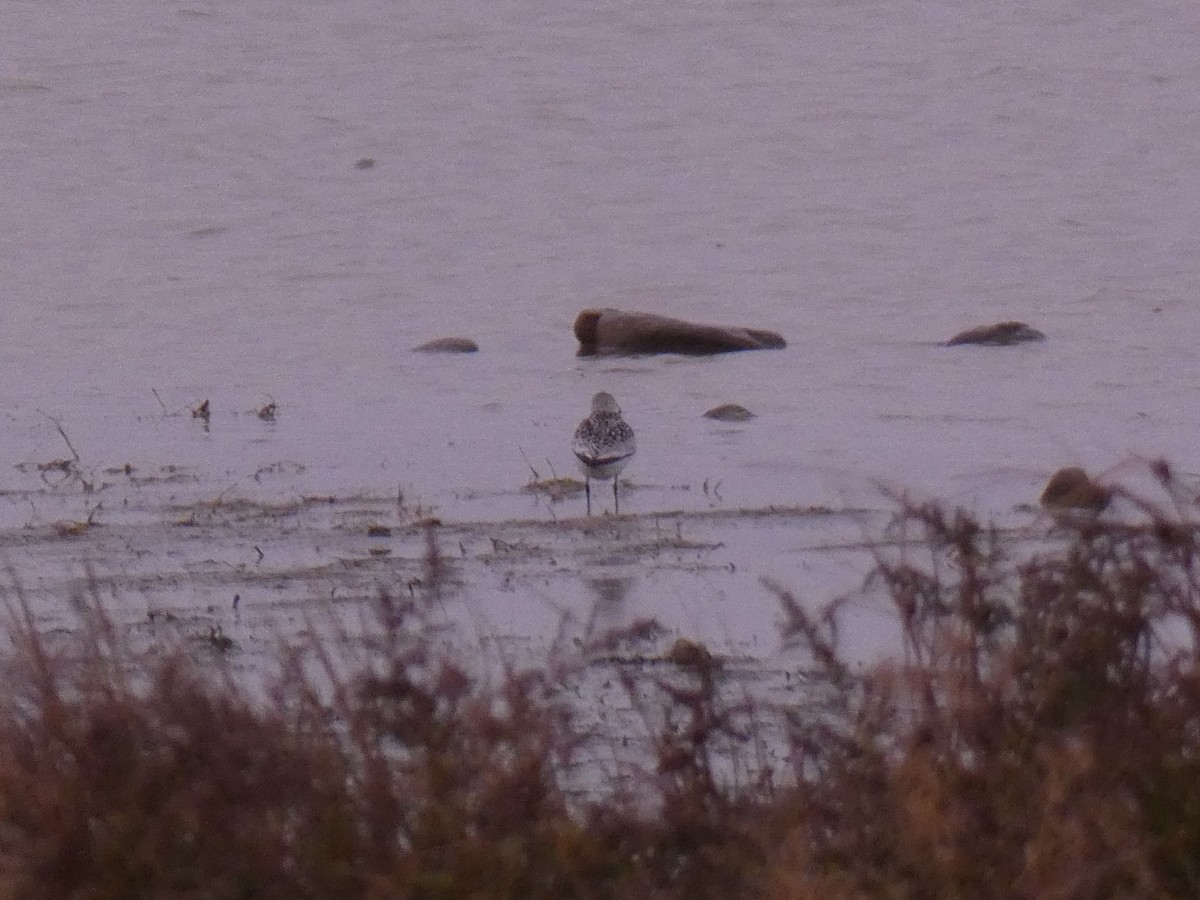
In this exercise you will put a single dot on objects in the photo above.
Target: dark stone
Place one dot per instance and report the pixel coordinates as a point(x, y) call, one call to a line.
point(729, 412)
point(448, 345)
point(1002, 334)
point(612, 331)
point(691, 655)
point(1073, 489)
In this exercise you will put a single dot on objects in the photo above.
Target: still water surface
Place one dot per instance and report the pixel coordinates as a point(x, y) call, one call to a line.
point(183, 214)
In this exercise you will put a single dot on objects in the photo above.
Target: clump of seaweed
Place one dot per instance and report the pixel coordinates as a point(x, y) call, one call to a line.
point(556, 487)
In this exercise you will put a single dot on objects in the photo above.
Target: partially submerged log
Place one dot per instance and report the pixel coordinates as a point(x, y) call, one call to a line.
point(613, 331)
point(1002, 334)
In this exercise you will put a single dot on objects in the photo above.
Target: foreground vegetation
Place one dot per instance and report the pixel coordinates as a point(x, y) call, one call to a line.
point(1039, 736)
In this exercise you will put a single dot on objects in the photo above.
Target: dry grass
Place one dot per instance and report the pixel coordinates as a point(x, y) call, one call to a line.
point(1038, 737)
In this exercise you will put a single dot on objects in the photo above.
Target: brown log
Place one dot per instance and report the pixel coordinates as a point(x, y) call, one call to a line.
point(613, 331)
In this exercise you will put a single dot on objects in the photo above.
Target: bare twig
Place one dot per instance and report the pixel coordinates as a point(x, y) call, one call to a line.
point(536, 476)
point(58, 425)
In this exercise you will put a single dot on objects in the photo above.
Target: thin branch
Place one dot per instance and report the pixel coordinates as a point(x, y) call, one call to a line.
point(536, 476)
point(58, 425)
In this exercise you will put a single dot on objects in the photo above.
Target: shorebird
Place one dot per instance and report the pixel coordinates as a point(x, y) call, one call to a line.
point(603, 444)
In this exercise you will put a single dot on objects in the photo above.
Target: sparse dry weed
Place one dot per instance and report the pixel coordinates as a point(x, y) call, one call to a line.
point(1040, 736)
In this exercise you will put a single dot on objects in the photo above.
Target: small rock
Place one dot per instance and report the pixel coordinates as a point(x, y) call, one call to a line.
point(448, 345)
point(729, 412)
point(690, 655)
point(1002, 334)
point(1073, 489)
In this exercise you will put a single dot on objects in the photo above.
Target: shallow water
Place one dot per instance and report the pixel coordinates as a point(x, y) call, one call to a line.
point(184, 219)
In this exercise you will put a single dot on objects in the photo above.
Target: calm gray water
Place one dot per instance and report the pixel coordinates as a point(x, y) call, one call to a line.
point(183, 214)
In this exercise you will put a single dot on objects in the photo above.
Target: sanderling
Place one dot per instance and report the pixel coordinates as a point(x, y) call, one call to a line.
point(603, 444)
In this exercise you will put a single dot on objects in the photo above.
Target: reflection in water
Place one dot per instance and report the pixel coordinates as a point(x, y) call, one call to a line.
point(610, 594)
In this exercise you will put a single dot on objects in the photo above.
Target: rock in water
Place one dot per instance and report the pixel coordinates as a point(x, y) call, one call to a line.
point(448, 345)
point(1073, 489)
point(613, 331)
point(729, 412)
point(1002, 334)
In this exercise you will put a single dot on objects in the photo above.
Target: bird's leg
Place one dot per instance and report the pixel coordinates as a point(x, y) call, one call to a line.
point(587, 492)
point(616, 502)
